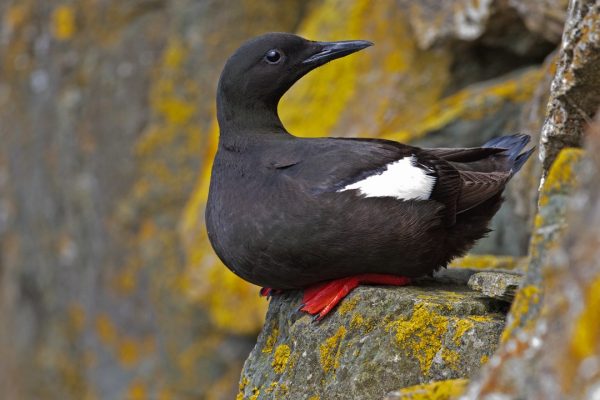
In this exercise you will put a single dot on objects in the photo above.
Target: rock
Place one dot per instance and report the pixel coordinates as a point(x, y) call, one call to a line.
point(575, 97)
point(442, 390)
point(496, 284)
point(554, 351)
point(378, 340)
point(487, 261)
point(104, 107)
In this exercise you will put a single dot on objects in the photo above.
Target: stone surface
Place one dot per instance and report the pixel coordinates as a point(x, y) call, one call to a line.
point(379, 339)
point(105, 106)
point(496, 284)
point(108, 288)
point(575, 95)
point(554, 352)
point(441, 390)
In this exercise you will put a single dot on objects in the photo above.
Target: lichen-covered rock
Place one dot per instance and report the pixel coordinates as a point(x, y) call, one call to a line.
point(441, 390)
point(496, 284)
point(575, 97)
point(554, 352)
point(550, 222)
point(379, 339)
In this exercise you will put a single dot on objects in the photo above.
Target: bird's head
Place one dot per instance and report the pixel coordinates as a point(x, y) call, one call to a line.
point(258, 74)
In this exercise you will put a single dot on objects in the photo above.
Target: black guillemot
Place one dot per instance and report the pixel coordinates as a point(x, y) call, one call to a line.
point(327, 214)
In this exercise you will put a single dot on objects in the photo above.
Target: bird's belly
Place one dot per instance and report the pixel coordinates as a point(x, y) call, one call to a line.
point(284, 249)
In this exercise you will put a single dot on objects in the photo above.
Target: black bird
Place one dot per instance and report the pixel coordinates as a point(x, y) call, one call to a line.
point(326, 214)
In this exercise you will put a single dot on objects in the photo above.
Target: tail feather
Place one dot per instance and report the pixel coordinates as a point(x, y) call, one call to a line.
point(521, 159)
point(513, 145)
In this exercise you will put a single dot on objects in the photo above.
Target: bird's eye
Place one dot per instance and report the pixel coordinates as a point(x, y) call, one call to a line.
point(273, 56)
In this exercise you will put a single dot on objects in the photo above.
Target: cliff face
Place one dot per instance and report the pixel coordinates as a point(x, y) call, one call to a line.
point(108, 287)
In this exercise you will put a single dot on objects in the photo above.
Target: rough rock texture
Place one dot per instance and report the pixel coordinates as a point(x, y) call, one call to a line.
point(496, 284)
point(554, 352)
point(108, 288)
point(104, 106)
point(575, 96)
point(441, 390)
point(379, 339)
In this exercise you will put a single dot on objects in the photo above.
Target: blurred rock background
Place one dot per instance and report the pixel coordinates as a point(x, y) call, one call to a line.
point(108, 287)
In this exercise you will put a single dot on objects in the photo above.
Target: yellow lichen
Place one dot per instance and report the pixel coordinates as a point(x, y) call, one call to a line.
point(63, 22)
point(76, 316)
point(106, 330)
point(255, 394)
point(476, 261)
point(586, 331)
point(451, 358)
point(131, 350)
point(242, 386)
point(561, 173)
point(348, 305)
point(421, 334)
point(472, 103)
point(442, 390)
point(271, 340)
point(462, 326)
point(484, 359)
point(137, 391)
point(526, 296)
point(281, 358)
point(331, 351)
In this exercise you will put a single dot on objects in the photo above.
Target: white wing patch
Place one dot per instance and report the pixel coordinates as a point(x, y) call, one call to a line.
point(401, 179)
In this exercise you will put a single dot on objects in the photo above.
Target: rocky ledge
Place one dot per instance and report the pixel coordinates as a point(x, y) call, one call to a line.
point(378, 340)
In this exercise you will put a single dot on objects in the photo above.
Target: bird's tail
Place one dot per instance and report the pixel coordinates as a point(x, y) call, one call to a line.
point(513, 145)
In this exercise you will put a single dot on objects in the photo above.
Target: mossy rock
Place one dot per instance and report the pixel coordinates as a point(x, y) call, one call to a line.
point(379, 339)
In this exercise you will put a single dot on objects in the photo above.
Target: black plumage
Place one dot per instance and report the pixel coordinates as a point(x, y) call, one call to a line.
point(280, 213)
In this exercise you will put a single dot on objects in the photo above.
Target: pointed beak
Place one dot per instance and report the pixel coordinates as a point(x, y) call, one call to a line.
point(327, 51)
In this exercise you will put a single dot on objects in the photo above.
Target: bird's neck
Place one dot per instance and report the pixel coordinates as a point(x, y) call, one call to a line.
point(242, 116)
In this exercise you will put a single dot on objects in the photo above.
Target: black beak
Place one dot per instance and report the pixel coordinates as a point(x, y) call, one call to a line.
point(328, 51)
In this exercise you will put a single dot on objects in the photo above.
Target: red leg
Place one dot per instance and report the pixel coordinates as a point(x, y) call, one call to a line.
point(268, 292)
point(321, 298)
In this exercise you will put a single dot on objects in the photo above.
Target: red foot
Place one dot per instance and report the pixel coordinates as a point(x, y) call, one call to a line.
point(321, 298)
point(268, 292)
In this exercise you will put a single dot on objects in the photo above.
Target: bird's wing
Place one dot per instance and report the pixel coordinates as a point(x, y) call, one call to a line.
point(477, 187)
point(371, 168)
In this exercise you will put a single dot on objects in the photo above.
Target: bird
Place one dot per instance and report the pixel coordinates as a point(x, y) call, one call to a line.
point(325, 215)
